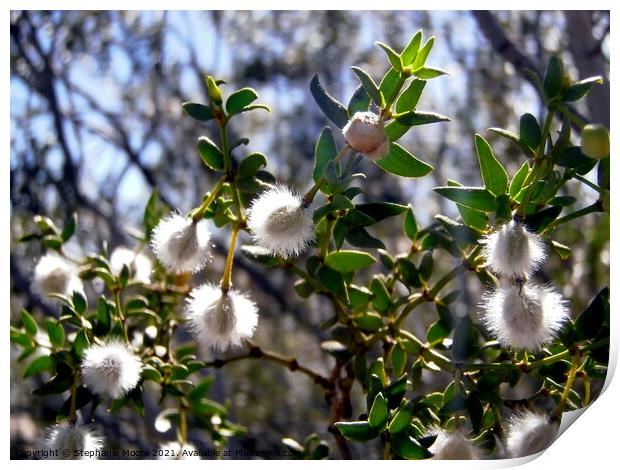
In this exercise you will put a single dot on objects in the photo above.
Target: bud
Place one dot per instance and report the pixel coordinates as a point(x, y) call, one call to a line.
point(140, 266)
point(214, 91)
point(181, 244)
point(364, 134)
point(525, 318)
point(453, 445)
point(219, 319)
point(529, 433)
point(56, 274)
point(80, 441)
point(513, 251)
point(279, 222)
point(595, 141)
point(111, 370)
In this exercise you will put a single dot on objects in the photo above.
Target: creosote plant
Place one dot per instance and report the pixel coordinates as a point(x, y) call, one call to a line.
point(503, 236)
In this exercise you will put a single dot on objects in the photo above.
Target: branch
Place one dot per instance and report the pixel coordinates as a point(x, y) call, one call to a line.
point(257, 352)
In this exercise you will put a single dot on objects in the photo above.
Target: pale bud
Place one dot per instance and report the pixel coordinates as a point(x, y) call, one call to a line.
point(181, 244)
point(73, 442)
point(112, 370)
point(56, 274)
point(529, 433)
point(453, 445)
point(220, 320)
point(279, 222)
point(364, 134)
point(139, 265)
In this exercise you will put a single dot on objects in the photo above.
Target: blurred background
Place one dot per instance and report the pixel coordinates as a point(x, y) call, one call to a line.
point(97, 123)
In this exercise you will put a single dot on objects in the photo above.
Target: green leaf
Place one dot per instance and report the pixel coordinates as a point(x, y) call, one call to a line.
point(39, 365)
point(207, 407)
point(392, 56)
point(379, 211)
point(408, 448)
point(238, 100)
point(332, 280)
point(104, 320)
point(198, 111)
point(399, 359)
point(465, 339)
point(428, 73)
point(538, 221)
point(150, 373)
point(151, 216)
point(554, 76)
point(348, 260)
point(493, 173)
point(409, 98)
point(70, 227)
point(426, 266)
point(423, 54)
point(590, 322)
point(382, 300)
point(518, 179)
point(80, 343)
point(251, 164)
point(419, 118)
point(324, 152)
point(359, 237)
point(401, 420)
point(411, 226)
point(378, 416)
point(390, 85)
point(573, 157)
point(332, 109)
point(580, 89)
point(368, 321)
point(210, 154)
point(56, 333)
point(411, 49)
point(474, 198)
point(79, 303)
point(360, 101)
point(29, 324)
point(252, 107)
point(529, 131)
point(358, 431)
point(400, 162)
point(370, 86)
point(53, 242)
point(409, 273)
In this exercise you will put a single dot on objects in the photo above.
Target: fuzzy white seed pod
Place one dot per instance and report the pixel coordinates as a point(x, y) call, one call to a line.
point(111, 370)
point(55, 274)
point(279, 223)
point(453, 445)
point(140, 265)
point(219, 320)
point(81, 441)
point(529, 433)
point(513, 251)
point(176, 451)
point(364, 134)
point(180, 244)
point(526, 318)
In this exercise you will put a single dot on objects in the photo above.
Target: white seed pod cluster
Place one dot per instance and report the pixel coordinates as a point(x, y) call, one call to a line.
point(140, 265)
point(218, 319)
point(279, 222)
point(177, 451)
point(513, 251)
point(112, 369)
point(364, 134)
point(453, 445)
point(81, 442)
point(530, 432)
point(520, 313)
point(55, 274)
point(181, 244)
